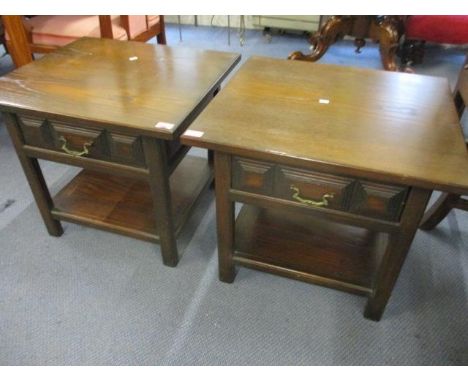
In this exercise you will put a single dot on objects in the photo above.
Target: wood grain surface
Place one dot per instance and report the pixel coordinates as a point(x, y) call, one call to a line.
point(395, 127)
point(128, 84)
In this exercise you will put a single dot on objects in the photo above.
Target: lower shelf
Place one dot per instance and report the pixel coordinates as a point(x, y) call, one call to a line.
point(306, 248)
point(124, 205)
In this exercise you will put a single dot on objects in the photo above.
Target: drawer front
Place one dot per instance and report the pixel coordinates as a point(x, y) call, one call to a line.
point(313, 188)
point(317, 189)
point(77, 141)
point(253, 176)
point(378, 200)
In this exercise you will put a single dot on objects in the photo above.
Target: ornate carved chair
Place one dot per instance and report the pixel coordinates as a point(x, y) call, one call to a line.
point(436, 29)
point(446, 202)
point(386, 30)
point(42, 34)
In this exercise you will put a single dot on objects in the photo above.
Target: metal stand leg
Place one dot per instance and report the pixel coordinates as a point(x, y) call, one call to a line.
point(180, 28)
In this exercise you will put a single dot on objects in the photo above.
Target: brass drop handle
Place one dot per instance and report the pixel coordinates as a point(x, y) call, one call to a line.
point(74, 153)
point(322, 203)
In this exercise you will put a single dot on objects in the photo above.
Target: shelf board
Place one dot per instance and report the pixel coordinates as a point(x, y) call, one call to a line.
point(123, 205)
point(303, 247)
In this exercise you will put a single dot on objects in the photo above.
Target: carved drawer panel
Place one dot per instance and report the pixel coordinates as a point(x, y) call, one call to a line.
point(253, 176)
point(36, 131)
point(318, 189)
point(126, 149)
point(313, 188)
point(80, 141)
point(378, 200)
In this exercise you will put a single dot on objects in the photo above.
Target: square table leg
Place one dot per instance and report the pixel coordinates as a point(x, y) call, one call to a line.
point(35, 178)
point(395, 253)
point(156, 158)
point(224, 217)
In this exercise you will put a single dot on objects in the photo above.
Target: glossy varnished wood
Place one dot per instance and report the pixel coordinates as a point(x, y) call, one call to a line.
point(136, 86)
point(395, 127)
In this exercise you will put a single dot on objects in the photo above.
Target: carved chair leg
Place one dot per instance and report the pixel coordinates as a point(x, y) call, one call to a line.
point(438, 211)
point(335, 27)
point(387, 33)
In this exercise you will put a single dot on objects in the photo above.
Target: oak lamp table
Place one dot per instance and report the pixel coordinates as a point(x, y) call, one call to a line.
point(116, 109)
point(334, 167)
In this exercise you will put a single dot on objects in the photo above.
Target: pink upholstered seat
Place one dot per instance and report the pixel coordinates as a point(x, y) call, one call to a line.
point(152, 20)
point(140, 24)
point(44, 34)
point(61, 30)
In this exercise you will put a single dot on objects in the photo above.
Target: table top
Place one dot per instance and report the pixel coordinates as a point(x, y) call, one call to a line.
point(396, 127)
point(129, 84)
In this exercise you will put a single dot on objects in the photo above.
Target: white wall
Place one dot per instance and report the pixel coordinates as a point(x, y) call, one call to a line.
point(217, 20)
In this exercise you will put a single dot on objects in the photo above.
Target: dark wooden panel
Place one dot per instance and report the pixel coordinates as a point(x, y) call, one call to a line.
point(313, 186)
point(253, 176)
point(378, 200)
point(36, 131)
point(126, 149)
point(301, 243)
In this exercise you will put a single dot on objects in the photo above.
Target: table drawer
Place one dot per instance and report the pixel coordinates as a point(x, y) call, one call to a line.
point(316, 189)
point(78, 141)
point(313, 188)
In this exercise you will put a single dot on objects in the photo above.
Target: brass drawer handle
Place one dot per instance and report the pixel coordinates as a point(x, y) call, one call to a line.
point(322, 203)
point(74, 153)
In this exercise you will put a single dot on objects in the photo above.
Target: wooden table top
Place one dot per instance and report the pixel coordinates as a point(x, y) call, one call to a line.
point(396, 127)
point(120, 83)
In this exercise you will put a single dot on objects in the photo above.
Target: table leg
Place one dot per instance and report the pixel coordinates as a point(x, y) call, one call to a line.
point(156, 158)
point(35, 178)
point(224, 217)
point(438, 211)
point(395, 254)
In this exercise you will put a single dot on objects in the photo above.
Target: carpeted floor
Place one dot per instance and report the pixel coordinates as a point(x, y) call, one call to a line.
point(95, 298)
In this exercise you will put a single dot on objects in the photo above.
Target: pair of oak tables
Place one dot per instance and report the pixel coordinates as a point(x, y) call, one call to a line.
point(333, 165)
